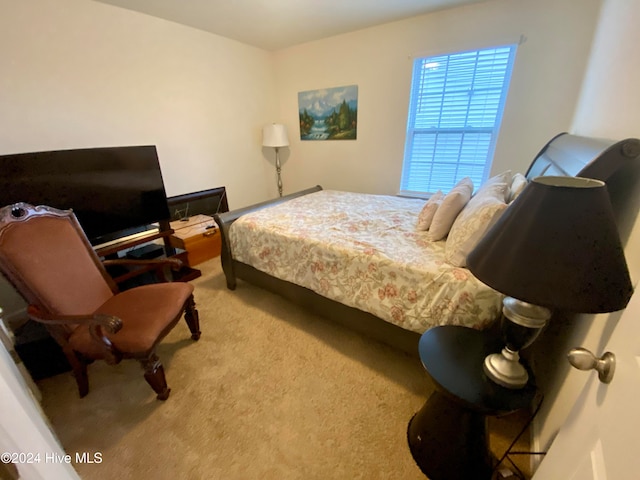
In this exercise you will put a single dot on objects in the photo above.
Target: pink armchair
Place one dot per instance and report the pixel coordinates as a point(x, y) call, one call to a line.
point(45, 254)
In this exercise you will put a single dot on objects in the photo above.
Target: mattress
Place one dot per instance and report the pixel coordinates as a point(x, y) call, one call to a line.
point(364, 251)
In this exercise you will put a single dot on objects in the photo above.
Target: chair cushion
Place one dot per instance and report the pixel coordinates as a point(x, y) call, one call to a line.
point(147, 312)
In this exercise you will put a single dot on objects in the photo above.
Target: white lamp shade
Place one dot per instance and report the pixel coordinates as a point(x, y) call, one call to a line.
point(275, 135)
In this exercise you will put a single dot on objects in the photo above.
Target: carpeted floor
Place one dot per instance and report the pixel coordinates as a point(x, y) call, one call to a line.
point(269, 392)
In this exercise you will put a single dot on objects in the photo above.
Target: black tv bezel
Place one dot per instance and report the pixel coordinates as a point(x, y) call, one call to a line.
point(97, 237)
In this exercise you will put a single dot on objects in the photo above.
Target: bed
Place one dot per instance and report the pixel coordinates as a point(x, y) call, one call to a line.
point(359, 260)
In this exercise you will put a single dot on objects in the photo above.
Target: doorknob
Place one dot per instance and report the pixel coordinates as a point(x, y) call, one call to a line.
point(583, 359)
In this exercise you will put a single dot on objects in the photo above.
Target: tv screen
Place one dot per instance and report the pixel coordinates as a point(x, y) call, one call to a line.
point(114, 191)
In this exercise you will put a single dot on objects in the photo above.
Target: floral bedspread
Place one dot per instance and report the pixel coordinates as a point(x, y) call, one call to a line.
point(364, 251)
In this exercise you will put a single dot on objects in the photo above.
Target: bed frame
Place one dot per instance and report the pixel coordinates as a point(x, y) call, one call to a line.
point(564, 155)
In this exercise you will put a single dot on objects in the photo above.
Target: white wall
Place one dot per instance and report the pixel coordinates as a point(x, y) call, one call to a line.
point(78, 73)
point(608, 107)
point(544, 89)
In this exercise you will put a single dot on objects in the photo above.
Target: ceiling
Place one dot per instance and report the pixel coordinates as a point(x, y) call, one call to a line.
point(276, 24)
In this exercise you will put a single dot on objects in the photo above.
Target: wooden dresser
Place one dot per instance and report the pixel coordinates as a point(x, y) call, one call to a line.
point(199, 236)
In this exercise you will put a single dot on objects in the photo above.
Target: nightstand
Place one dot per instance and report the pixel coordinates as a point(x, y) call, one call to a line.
point(199, 236)
point(448, 436)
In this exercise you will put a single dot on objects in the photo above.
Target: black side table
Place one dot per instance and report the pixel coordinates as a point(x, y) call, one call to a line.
point(448, 436)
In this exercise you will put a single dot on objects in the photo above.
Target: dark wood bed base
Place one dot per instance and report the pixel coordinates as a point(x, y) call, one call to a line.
point(358, 320)
point(564, 155)
point(224, 221)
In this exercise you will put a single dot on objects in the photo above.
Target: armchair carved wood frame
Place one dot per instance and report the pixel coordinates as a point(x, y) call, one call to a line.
point(45, 254)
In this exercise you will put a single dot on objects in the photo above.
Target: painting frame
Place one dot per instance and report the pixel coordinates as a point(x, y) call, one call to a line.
point(328, 113)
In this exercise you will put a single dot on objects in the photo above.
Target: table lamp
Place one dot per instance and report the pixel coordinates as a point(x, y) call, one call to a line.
point(556, 247)
point(275, 135)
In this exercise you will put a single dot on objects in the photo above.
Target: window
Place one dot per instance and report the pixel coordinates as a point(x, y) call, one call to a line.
point(454, 116)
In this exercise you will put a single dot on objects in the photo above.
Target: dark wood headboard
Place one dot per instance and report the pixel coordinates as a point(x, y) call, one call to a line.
point(617, 163)
point(572, 155)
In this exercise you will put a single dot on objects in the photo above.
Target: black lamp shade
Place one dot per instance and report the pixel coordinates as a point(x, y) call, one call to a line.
point(557, 246)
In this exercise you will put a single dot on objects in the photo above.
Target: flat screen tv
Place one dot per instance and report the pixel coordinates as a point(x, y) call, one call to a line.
point(114, 191)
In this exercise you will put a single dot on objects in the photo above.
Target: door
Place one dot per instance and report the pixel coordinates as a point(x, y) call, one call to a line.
point(25, 437)
point(601, 438)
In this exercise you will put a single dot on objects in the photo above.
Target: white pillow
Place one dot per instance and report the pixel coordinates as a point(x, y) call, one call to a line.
point(451, 205)
point(505, 178)
point(517, 186)
point(499, 191)
point(429, 210)
point(480, 214)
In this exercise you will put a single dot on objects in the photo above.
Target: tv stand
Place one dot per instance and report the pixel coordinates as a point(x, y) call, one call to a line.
point(112, 250)
point(127, 236)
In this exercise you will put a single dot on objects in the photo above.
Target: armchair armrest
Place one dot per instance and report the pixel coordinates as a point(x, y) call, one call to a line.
point(174, 263)
point(156, 264)
point(98, 323)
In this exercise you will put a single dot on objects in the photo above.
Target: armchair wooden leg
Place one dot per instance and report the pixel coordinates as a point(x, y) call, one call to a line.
point(82, 379)
point(79, 369)
point(192, 318)
point(154, 375)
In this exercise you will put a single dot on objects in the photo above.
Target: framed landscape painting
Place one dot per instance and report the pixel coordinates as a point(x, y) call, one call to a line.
point(329, 113)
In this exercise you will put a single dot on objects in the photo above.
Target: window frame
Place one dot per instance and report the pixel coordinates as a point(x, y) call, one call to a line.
point(418, 82)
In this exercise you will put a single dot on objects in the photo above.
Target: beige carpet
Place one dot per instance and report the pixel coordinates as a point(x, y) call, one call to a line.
point(269, 392)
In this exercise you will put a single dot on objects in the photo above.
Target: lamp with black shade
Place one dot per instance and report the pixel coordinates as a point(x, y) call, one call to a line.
point(556, 247)
point(275, 135)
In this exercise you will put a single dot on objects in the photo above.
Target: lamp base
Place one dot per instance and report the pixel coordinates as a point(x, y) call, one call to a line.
point(505, 369)
point(521, 324)
point(278, 172)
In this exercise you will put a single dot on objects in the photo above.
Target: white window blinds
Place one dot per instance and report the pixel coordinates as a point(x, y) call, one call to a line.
point(454, 116)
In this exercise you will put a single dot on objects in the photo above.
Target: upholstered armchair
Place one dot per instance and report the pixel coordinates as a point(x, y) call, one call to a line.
point(45, 254)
